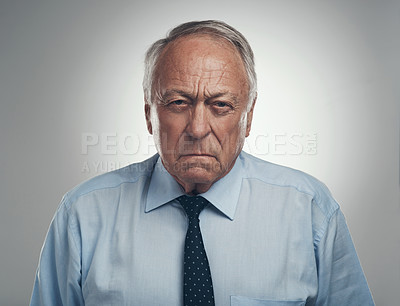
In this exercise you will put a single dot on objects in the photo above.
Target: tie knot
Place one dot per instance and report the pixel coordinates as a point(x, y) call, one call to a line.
point(192, 205)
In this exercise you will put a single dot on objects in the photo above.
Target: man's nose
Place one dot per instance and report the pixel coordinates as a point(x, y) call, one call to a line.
point(199, 125)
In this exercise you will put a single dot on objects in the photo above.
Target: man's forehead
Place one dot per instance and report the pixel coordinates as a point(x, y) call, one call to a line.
point(198, 45)
point(202, 56)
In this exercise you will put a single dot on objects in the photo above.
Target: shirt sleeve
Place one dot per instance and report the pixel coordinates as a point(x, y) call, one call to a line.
point(58, 276)
point(341, 280)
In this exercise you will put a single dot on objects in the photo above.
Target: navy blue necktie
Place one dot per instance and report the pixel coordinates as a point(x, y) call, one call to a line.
point(197, 283)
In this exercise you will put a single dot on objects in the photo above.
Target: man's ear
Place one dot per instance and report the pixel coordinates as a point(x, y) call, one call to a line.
point(147, 110)
point(250, 116)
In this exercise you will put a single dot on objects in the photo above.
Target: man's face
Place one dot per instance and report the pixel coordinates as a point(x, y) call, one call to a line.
point(199, 111)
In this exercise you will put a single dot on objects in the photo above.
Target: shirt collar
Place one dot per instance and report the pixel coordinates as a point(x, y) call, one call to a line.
point(223, 194)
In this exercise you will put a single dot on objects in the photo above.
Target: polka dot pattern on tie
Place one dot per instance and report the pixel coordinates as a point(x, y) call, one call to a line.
point(197, 287)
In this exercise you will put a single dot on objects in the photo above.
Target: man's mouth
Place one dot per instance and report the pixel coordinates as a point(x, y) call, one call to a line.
point(196, 155)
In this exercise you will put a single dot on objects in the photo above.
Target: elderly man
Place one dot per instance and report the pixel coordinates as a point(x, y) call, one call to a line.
point(202, 223)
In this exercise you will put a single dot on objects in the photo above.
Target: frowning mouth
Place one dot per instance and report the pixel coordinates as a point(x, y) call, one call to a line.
point(197, 155)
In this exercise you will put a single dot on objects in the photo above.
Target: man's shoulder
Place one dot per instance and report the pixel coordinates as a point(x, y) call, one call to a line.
point(129, 174)
point(286, 177)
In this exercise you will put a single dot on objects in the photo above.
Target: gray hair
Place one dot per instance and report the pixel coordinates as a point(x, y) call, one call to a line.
point(210, 27)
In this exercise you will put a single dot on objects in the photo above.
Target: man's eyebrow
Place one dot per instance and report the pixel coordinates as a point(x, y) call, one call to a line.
point(171, 92)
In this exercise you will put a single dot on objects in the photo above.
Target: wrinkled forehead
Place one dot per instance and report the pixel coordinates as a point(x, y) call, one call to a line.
point(197, 51)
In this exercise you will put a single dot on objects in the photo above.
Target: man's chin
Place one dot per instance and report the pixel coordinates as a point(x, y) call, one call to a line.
point(195, 170)
point(197, 163)
point(199, 160)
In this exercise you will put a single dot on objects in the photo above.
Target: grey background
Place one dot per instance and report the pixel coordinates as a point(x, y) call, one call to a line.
point(328, 81)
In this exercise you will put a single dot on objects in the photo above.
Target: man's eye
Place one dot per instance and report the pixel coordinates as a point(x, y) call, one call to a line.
point(177, 102)
point(177, 105)
point(221, 104)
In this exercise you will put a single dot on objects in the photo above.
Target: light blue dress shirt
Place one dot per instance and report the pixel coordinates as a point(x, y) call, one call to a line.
point(273, 236)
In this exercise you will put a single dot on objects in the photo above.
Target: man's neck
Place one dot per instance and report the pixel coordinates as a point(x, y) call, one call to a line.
point(194, 189)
